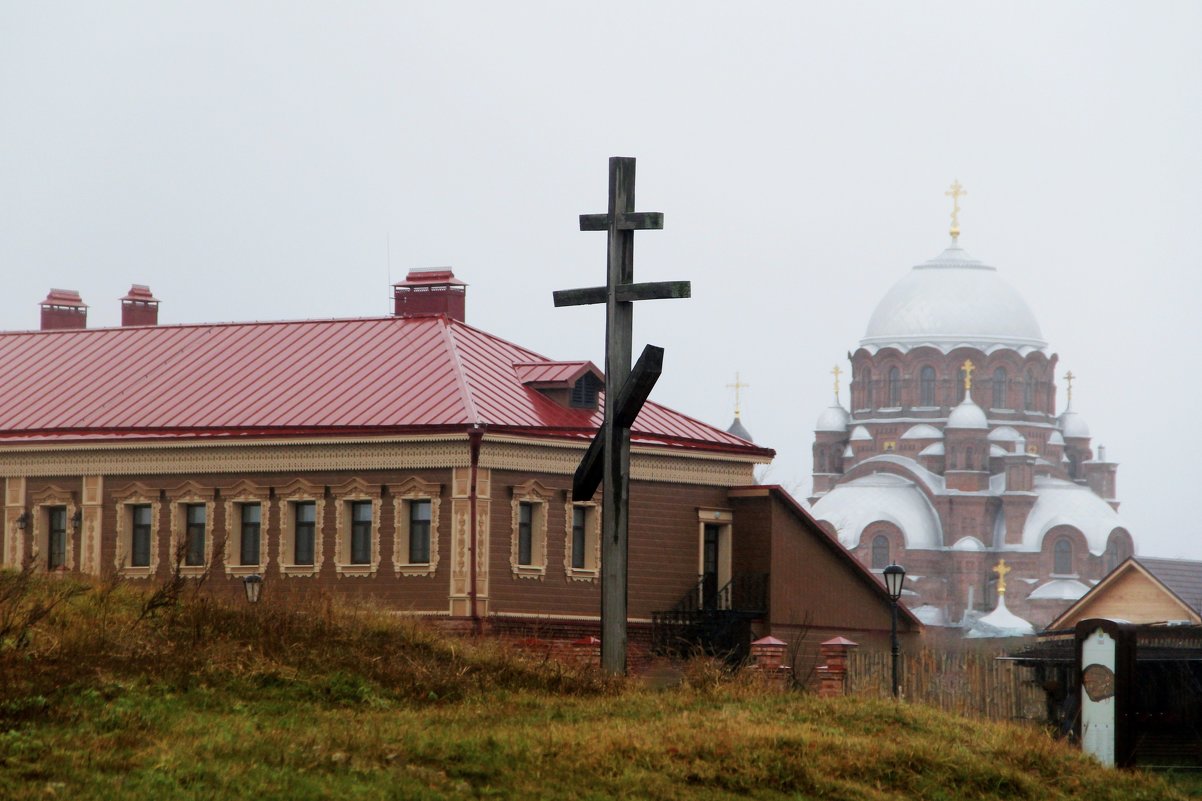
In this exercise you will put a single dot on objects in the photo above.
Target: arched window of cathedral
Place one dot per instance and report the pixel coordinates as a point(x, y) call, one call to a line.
point(999, 388)
point(968, 463)
point(821, 462)
point(960, 385)
point(1112, 556)
point(1029, 391)
point(880, 552)
point(866, 393)
point(894, 386)
point(1062, 557)
point(926, 386)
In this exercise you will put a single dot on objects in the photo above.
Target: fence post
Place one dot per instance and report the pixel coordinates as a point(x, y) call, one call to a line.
point(832, 674)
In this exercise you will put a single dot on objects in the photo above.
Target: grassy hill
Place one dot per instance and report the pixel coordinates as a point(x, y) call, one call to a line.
point(110, 692)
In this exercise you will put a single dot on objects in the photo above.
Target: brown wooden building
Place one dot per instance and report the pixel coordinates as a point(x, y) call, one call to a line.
point(412, 460)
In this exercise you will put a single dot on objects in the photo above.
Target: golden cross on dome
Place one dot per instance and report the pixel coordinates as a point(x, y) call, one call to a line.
point(736, 386)
point(836, 372)
point(1001, 569)
point(968, 368)
point(1068, 377)
point(955, 192)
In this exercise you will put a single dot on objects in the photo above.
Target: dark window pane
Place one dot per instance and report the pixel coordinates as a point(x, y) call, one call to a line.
point(894, 387)
point(140, 537)
point(927, 387)
point(880, 552)
point(303, 532)
point(57, 555)
point(999, 388)
point(361, 533)
point(419, 532)
point(194, 553)
point(578, 537)
point(1063, 557)
point(525, 534)
point(251, 533)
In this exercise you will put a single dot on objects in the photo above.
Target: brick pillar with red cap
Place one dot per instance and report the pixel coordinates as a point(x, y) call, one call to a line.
point(832, 673)
point(768, 657)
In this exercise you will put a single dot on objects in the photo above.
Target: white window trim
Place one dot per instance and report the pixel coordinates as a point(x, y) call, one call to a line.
point(411, 490)
point(125, 499)
point(539, 497)
point(286, 499)
point(591, 571)
point(190, 496)
point(724, 518)
point(241, 496)
point(40, 525)
point(354, 492)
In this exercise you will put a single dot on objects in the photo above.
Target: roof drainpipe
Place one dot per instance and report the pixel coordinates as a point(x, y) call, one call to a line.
point(474, 438)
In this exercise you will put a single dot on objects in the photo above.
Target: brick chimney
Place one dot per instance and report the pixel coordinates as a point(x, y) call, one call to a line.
point(433, 291)
point(64, 310)
point(139, 307)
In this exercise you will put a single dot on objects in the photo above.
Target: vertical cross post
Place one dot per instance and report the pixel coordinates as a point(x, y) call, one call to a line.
point(624, 394)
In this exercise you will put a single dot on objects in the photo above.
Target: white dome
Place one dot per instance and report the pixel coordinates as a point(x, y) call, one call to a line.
point(1059, 590)
point(852, 506)
point(1056, 439)
point(1073, 424)
point(860, 434)
point(922, 431)
point(1005, 434)
point(1001, 622)
point(833, 418)
point(1062, 502)
point(953, 300)
point(967, 415)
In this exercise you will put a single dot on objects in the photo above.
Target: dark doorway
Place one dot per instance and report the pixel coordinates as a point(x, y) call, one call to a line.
point(709, 567)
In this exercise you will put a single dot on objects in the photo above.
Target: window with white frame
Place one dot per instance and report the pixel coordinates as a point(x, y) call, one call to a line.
point(582, 541)
point(250, 534)
point(528, 545)
point(138, 530)
point(358, 529)
point(301, 544)
point(56, 536)
point(192, 529)
point(248, 511)
point(415, 512)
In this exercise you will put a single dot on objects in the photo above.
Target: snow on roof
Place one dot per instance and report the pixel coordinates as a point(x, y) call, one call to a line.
point(1059, 590)
point(922, 431)
point(934, 449)
point(1001, 622)
point(1061, 502)
point(852, 506)
point(1005, 434)
point(860, 434)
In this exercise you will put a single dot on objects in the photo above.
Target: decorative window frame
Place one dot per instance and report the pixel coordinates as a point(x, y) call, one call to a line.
point(539, 497)
point(351, 492)
point(124, 499)
point(41, 502)
point(403, 494)
point(591, 572)
point(299, 491)
point(191, 494)
point(237, 496)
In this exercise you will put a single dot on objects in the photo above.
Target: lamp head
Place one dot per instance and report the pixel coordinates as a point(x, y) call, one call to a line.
point(894, 576)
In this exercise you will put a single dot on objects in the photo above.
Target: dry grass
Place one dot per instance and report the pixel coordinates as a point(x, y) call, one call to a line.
point(205, 700)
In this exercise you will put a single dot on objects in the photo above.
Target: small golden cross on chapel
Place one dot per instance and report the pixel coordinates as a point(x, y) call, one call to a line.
point(955, 192)
point(1068, 377)
point(836, 372)
point(736, 386)
point(968, 367)
point(1001, 568)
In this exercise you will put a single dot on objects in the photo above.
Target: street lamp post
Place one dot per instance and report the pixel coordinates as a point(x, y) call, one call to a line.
point(894, 576)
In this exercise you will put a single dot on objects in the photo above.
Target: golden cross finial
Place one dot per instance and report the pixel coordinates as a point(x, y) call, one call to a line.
point(736, 386)
point(1001, 569)
point(1068, 377)
point(968, 368)
point(836, 372)
point(955, 192)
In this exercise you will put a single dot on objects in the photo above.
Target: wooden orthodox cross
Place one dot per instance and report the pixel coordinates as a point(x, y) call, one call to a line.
point(608, 458)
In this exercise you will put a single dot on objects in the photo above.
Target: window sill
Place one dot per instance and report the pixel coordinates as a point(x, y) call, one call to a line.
point(298, 570)
point(356, 571)
point(193, 571)
point(583, 574)
point(416, 569)
point(529, 571)
point(137, 572)
point(244, 570)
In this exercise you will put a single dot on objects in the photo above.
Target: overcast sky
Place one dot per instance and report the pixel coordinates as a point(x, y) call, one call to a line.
point(287, 160)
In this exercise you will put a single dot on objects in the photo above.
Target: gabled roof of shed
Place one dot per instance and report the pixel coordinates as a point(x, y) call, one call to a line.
point(368, 375)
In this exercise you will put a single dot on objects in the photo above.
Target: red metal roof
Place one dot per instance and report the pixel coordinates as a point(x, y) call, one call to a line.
point(64, 297)
point(555, 374)
point(334, 377)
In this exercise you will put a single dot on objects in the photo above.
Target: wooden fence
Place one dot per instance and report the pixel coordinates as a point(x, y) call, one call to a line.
point(969, 682)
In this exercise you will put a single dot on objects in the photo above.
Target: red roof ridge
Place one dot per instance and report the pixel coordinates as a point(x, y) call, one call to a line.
point(465, 391)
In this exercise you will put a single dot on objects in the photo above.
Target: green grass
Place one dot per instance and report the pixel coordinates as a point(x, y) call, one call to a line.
point(205, 701)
